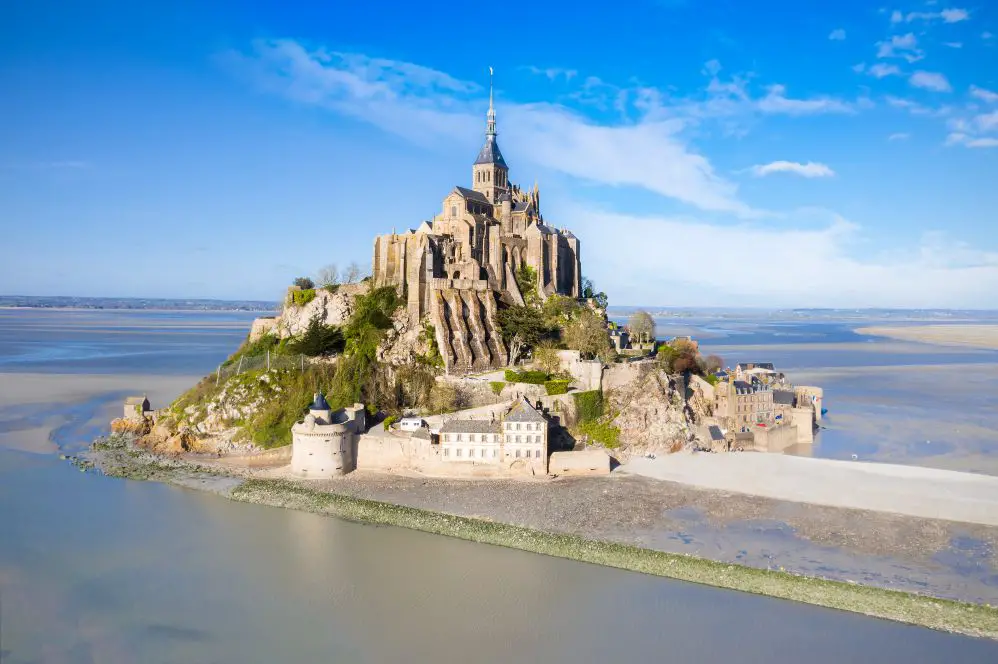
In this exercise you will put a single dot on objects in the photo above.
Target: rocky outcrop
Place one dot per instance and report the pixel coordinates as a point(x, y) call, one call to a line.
point(330, 308)
point(131, 425)
point(650, 413)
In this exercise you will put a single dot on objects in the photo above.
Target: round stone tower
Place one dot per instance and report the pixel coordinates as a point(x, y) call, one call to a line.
point(323, 441)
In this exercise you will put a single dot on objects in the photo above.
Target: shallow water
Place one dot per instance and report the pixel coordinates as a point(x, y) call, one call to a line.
point(96, 569)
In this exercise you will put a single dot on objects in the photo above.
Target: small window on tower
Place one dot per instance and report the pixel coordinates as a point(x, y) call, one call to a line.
point(453, 210)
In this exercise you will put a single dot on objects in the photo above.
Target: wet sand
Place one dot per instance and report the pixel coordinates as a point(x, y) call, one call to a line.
point(910, 490)
point(968, 336)
point(35, 407)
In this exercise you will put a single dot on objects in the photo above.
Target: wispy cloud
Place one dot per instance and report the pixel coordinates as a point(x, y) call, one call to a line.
point(809, 170)
point(953, 44)
point(882, 70)
point(959, 138)
point(430, 107)
point(553, 73)
point(819, 248)
point(915, 108)
point(983, 94)
point(837, 35)
point(776, 102)
point(930, 81)
point(946, 16)
point(900, 46)
point(899, 136)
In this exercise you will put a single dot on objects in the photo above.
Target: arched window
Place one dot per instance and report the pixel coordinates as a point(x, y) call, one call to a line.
point(453, 210)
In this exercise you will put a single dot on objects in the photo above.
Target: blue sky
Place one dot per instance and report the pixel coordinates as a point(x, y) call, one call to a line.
point(714, 153)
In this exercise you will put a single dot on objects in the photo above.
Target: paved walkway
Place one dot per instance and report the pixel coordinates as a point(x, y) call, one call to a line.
point(910, 490)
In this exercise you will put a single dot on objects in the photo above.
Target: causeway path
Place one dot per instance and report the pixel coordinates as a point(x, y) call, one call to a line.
point(911, 490)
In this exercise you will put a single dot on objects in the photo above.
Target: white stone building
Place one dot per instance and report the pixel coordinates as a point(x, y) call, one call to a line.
point(519, 442)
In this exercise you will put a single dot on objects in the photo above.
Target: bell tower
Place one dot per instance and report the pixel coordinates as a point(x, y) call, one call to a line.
point(490, 175)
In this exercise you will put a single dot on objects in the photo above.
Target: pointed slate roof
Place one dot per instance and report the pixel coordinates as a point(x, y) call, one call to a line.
point(490, 154)
point(522, 411)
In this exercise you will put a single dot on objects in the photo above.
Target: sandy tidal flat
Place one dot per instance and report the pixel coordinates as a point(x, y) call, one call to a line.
point(927, 493)
point(33, 406)
point(973, 336)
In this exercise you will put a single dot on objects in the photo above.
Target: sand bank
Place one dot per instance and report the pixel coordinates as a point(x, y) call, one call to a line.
point(914, 491)
point(33, 406)
point(973, 336)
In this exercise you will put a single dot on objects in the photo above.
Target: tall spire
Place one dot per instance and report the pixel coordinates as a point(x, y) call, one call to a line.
point(490, 129)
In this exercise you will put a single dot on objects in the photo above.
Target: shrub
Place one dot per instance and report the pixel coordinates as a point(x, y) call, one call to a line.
point(497, 386)
point(304, 283)
point(712, 379)
point(390, 420)
point(589, 405)
point(531, 377)
point(302, 297)
point(557, 386)
point(318, 339)
point(602, 432)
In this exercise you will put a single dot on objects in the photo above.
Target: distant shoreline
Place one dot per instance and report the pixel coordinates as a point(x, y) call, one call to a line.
point(982, 336)
point(149, 309)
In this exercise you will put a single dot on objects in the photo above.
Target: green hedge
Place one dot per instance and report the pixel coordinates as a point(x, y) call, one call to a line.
point(589, 405)
point(390, 420)
point(557, 386)
point(531, 377)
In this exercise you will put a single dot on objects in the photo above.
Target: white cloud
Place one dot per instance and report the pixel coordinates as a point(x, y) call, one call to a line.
point(917, 109)
point(900, 46)
point(859, 68)
point(987, 35)
point(553, 72)
point(881, 70)
point(946, 15)
point(953, 44)
point(954, 15)
point(983, 94)
point(987, 121)
point(899, 136)
point(960, 138)
point(776, 102)
point(819, 249)
point(837, 35)
point(430, 107)
point(809, 170)
point(930, 81)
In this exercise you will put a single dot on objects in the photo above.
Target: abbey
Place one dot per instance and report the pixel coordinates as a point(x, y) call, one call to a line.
point(459, 266)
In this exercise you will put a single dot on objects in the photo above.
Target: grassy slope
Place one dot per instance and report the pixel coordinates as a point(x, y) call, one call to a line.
point(971, 619)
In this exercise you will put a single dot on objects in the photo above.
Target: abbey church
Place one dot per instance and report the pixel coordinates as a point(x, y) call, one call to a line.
point(458, 267)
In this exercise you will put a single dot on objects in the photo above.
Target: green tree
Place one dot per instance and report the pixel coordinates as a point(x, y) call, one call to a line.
point(304, 283)
point(526, 322)
point(588, 335)
point(318, 339)
point(526, 281)
point(641, 325)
